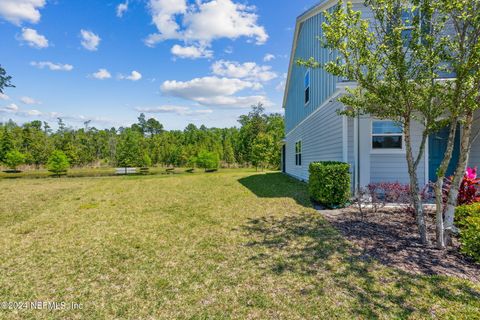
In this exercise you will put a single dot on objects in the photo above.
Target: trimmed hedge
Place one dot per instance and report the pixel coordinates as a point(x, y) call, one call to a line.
point(468, 219)
point(329, 183)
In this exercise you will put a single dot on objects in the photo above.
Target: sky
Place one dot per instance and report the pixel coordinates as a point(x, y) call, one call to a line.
point(179, 61)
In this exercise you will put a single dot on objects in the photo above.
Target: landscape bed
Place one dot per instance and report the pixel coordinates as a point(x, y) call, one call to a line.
point(232, 244)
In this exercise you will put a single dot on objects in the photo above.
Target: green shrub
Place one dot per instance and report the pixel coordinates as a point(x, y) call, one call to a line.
point(58, 163)
point(146, 161)
point(467, 219)
point(14, 158)
point(329, 183)
point(470, 237)
point(208, 161)
point(466, 211)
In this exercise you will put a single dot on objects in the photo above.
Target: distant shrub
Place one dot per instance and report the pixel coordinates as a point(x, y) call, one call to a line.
point(208, 161)
point(146, 161)
point(467, 218)
point(13, 159)
point(329, 183)
point(58, 163)
point(192, 162)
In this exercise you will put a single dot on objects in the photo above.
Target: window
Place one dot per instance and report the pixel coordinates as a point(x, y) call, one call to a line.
point(407, 19)
point(298, 153)
point(386, 135)
point(307, 87)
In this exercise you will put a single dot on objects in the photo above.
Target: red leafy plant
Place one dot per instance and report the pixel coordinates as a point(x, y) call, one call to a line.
point(469, 188)
point(395, 193)
point(468, 192)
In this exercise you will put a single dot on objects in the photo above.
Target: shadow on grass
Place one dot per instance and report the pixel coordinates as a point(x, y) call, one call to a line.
point(277, 185)
point(307, 246)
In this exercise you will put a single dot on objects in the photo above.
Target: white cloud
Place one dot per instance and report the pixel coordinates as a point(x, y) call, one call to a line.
point(52, 66)
point(11, 108)
point(17, 11)
point(34, 113)
point(33, 38)
point(214, 91)
point(203, 22)
point(29, 101)
point(191, 52)
point(248, 71)
point(163, 14)
point(179, 110)
point(134, 76)
point(102, 74)
point(122, 8)
point(3, 96)
point(268, 57)
point(90, 40)
point(281, 86)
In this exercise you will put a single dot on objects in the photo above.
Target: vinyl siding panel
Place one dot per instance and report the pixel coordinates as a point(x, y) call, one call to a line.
point(393, 167)
point(474, 160)
point(321, 136)
point(322, 84)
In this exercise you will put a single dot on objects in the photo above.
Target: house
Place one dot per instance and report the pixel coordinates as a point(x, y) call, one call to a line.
point(375, 149)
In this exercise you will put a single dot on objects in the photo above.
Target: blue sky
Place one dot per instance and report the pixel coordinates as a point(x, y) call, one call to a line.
point(179, 61)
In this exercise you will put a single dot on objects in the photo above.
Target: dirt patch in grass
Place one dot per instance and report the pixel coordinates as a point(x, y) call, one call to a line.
point(391, 237)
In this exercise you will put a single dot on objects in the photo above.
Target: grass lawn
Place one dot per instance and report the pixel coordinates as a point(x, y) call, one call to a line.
point(233, 244)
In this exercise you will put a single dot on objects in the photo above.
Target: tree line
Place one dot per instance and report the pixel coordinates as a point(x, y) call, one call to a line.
point(256, 142)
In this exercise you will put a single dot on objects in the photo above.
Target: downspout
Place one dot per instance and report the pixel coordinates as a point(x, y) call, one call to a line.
point(357, 165)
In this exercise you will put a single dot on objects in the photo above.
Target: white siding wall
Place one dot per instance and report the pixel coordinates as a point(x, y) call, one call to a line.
point(322, 140)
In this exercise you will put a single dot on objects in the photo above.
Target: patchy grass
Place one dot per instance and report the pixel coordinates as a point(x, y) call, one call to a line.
point(233, 244)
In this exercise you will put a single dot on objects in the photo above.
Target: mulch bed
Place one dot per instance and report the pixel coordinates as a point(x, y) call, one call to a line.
point(391, 237)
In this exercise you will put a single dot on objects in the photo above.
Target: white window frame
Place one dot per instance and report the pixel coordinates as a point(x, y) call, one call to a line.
point(385, 150)
point(298, 163)
point(306, 103)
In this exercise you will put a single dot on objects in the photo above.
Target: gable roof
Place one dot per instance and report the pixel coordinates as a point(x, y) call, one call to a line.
point(313, 11)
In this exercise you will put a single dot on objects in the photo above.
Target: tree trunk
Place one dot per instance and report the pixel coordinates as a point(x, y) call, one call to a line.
point(414, 187)
point(465, 146)
point(439, 225)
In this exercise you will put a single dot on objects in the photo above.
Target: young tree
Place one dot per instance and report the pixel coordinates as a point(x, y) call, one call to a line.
point(129, 151)
point(13, 159)
point(463, 61)
point(263, 150)
point(228, 153)
point(146, 160)
point(58, 163)
point(208, 160)
point(6, 143)
point(396, 63)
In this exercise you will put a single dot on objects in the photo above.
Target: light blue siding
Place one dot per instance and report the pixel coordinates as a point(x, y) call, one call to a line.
point(388, 167)
point(322, 84)
point(474, 160)
point(321, 136)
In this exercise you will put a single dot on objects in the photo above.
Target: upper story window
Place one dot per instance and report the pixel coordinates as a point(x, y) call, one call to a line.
point(406, 24)
point(407, 19)
point(298, 153)
point(307, 87)
point(387, 135)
